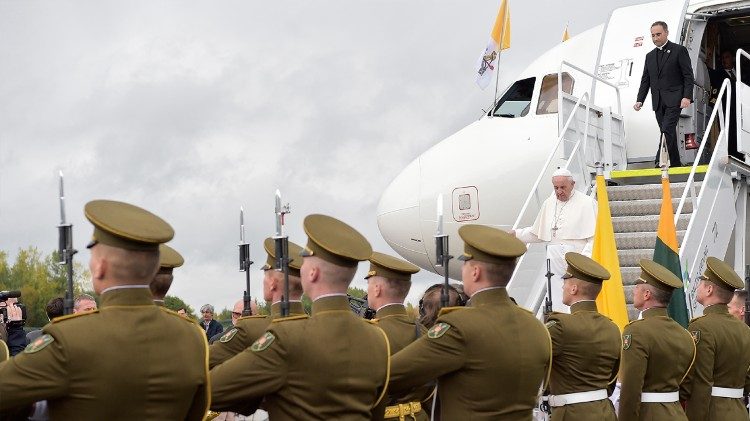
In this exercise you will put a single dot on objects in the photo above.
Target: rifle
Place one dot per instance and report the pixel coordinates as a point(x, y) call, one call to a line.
point(442, 256)
point(747, 298)
point(282, 251)
point(548, 297)
point(65, 249)
point(245, 264)
point(360, 308)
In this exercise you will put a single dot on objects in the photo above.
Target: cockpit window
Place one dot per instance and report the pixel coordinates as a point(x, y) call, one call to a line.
point(548, 93)
point(516, 100)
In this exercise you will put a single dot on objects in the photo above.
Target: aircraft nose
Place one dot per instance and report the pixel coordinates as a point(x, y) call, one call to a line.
point(398, 215)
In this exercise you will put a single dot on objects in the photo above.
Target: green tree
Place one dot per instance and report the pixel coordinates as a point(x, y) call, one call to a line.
point(39, 279)
point(175, 303)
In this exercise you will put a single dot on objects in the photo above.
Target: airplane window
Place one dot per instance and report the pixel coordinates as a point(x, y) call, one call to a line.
point(548, 93)
point(516, 100)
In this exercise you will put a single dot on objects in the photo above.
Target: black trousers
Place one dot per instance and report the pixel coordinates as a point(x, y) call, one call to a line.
point(667, 118)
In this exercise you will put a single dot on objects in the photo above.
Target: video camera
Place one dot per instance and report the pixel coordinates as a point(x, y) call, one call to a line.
point(4, 295)
point(360, 308)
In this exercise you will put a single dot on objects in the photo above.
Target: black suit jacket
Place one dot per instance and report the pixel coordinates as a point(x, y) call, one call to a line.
point(214, 328)
point(670, 79)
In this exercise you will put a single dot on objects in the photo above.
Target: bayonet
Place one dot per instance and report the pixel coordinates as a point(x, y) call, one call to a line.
point(65, 249)
point(281, 243)
point(245, 264)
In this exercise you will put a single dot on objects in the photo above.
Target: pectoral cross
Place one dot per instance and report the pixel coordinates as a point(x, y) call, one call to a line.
point(554, 231)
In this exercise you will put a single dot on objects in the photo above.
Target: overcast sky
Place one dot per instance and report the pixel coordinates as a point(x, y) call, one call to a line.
point(193, 109)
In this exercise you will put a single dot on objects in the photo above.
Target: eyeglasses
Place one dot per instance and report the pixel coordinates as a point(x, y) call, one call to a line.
point(235, 314)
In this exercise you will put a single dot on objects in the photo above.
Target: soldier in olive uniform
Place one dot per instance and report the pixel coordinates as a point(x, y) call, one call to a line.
point(490, 358)
point(110, 364)
point(585, 347)
point(714, 388)
point(388, 283)
point(332, 365)
point(657, 351)
point(250, 328)
point(169, 259)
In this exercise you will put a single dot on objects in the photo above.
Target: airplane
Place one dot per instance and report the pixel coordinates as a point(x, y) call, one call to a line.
point(572, 107)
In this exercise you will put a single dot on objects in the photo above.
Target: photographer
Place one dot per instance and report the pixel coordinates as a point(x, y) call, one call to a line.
point(11, 325)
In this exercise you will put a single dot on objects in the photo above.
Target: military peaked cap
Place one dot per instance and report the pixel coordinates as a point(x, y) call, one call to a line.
point(126, 226)
point(295, 261)
point(722, 274)
point(169, 258)
point(585, 269)
point(390, 267)
point(334, 241)
point(487, 244)
point(657, 275)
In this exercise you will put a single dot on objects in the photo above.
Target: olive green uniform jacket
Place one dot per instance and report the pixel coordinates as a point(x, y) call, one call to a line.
point(401, 331)
point(245, 332)
point(490, 359)
point(129, 360)
point(657, 354)
point(586, 350)
point(331, 366)
point(722, 359)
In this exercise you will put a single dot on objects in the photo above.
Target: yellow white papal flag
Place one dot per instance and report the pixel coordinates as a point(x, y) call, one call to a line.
point(499, 40)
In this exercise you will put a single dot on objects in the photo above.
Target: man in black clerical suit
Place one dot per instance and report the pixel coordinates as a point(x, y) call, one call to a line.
point(669, 75)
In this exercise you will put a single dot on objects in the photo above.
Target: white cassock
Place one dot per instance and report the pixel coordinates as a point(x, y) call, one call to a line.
point(564, 226)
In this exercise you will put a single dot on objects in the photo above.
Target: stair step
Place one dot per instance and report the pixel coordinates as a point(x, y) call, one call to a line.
point(644, 223)
point(633, 257)
point(630, 275)
point(645, 207)
point(645, 191)
point(640, 240)
point(628, 289)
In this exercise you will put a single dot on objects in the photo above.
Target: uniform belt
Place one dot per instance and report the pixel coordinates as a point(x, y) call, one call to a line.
point(578, 397)
point(727, 392)
point(659, 397)
point(402, 410)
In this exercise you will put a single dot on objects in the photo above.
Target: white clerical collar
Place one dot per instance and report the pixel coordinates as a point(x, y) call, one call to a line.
point(662, 47)
point(124, 287)
point(389, 304)
point(330, 295)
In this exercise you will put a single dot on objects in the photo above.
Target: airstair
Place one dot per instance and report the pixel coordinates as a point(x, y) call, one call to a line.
point(710, 200)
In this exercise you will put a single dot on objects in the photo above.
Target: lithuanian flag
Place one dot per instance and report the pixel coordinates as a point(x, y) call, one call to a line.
point(611, 300)
point(666, 252)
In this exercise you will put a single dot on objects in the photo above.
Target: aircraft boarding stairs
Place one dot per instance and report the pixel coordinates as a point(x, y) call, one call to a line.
point(635, 205)
point(709, 201)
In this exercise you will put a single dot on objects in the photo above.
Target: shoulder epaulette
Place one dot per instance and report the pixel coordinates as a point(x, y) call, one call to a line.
point(71, 316)
point(446, 310)
point(633, 321)
point(255, 316)
point(289, 318)
point(696, 318)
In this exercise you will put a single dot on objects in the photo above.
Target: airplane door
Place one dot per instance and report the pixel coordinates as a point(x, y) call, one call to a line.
point(741, 96)
point(625, 41)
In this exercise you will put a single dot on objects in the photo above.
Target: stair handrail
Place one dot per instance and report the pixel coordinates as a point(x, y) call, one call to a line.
point(726, 88)
point(594, 79)
point(550, 157)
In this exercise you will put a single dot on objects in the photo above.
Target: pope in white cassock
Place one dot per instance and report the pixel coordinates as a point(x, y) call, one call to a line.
point(566, 221)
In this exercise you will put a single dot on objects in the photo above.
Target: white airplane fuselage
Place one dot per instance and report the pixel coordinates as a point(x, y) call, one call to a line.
point(486, 170)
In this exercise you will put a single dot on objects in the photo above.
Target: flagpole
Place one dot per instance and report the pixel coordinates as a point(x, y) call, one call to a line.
point(499, 52)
